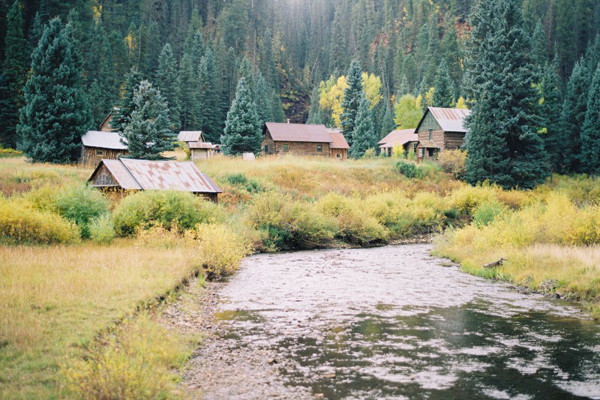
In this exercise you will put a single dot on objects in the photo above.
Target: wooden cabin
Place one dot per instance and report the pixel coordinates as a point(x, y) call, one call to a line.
point(98, 145)
point(303, 140)
point(440, 129)
point(191, 137)
point(128, 175)
point(406, 139)
point(201, 151)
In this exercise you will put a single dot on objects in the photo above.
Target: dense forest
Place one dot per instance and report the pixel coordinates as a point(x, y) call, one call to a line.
point(294, 56)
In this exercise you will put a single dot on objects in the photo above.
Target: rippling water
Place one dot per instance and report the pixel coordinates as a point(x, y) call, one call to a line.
point(392, 322)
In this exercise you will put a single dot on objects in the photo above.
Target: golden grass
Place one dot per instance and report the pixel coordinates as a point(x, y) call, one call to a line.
point(56, 299)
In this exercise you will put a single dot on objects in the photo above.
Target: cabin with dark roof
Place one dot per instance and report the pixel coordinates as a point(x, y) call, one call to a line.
point(440, 129)
point(303, 140)
point(99, 145)
point(133, 175)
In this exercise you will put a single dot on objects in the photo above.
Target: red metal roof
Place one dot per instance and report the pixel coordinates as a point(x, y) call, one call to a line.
point(450, 119)
point(338, 141)
point(298, 133)
point(190, 136)
point(399, 137)
point(159, 175)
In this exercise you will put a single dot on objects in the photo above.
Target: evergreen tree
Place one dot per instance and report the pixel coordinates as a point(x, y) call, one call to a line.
point(539, 53)
point(148, 134)
point(387, 122)
point(242, 129)
point(277, 107)
point(127, 104)
point(504, 146)
point(263, 100)
point(590, 134)
point(167, 83)
point(245, 71)
point(550, 110)
point(443, 96)
point(411, 72)
point(573, 115)
point(363, 135)
point(207, 96)
point(315, 114)
point(352, 98)
point(56, 112)
point(189, 99)
point(16, 62)
point(36, 31)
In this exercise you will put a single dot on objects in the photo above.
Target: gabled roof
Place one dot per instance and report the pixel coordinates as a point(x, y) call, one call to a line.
point(449, 119)
point(158, 175)
point(298, 132)
point(338, 141)
point(201, 145)
point(399, 137)
point(103, 140)
point(190, 136)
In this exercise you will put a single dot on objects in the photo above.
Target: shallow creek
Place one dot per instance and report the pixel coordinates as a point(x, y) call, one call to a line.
point(390, 322)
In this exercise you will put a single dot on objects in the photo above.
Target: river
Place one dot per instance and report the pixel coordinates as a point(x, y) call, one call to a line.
point(390, 322)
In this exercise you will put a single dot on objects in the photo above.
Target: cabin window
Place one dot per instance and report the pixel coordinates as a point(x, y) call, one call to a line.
point(430, 134)
point(431, 152)
point(266, 148)
point(319, 148)
point(99, 153)
point(286, 148)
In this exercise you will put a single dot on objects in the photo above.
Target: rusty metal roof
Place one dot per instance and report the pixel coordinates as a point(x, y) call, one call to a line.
point(399, 137)
point(190, 136)
point(159, 175)
point(103, 140)
point(450, 119)
point(298, 132)
point(338, 141)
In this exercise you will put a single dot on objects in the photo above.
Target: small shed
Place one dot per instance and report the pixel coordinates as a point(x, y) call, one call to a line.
point(99, 145)
point(201, 150)
point(191, 137)
point(405, 138)
point(338, 148)
point(128, 174)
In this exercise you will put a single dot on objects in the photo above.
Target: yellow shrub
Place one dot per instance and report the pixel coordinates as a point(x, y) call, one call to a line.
point(453, 162)
point(21, 225)
point(468, 198)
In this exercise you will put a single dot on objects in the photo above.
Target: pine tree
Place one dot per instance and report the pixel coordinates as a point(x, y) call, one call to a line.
point(242, 129)
point(207, 98)
point(56, 112)
point(573, 115)
point(16, 65)
point(539, 53)
point(167, 83)
point(443, 95)
point(189, 99)
point(277, 107)
point(352, 98)
point(127, 104)
point(503, 145)
point(590, 134)
point(263, 95)
point(36, 31)
point(363, 135)
point(550, 110)
point(387, 122)
point(246, 71)
point(148, 134)
point(315, 114)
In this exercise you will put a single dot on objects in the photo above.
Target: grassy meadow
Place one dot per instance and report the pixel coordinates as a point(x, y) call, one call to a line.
point(81, 273)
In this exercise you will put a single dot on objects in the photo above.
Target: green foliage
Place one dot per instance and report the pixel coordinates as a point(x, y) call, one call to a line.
point(573, 113)
point(486, 213)
point(166, 209)
point(240, 180)
point(56, 110)
point(102, 229)
point(407, 169)
point(408, 112)
point(590, 134)
point(127, 104)
point(148, 134)
point(166, 82)
point(550, 113)
point(242, 128)
point(443, 95)
point(363, 135)
point(352, 99)
point(207, 98)
point(81, 205)
point(188, 89)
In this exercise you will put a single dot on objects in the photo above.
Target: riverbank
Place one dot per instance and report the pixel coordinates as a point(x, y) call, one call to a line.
point(270, 205)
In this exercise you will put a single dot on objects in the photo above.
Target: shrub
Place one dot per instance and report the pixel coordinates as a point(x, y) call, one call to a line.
point(220, 250)
point(5, 153)
point(453, 162)
point(370, 153)
point(486, 213)
point(240, 180)
point(144, 210)
point(407, 169)
point(81, 204)
point(186, 149)
point(102, 229)
point(19, 225)
point(468, 198)
point(43, 198)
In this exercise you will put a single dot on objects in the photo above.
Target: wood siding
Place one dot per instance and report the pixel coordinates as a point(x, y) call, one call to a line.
point(295, 148)
point(453, 140)
point(429, 123)
point(104, 179)
point(91, 156)
point(200, 154)
point(340, 154)
point(437, 137)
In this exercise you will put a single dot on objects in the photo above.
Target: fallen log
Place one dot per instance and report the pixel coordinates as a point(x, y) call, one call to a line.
point(495, 264)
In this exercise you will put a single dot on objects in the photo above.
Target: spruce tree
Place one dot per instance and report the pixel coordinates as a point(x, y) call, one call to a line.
point(443, 96)
point(167, 83)
point(242, 129)
point(277, 107)
point(352, 98)
point(315, 115)
point(387, 122)
point(16, 65)
point(208, 98)
point(539, 53)
point(127, 104)
point(56, 112)
point(363, 135)
point(504, 146)
point(550, 110)
point(148, 134)
point(573, 115)
point(263, 96)
point(590, 134)
point(188, 91)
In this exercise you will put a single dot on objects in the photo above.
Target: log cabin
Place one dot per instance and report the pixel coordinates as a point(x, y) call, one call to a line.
point(406, 139)
point(303, 140)
point(440, 129)
point(99, 145)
